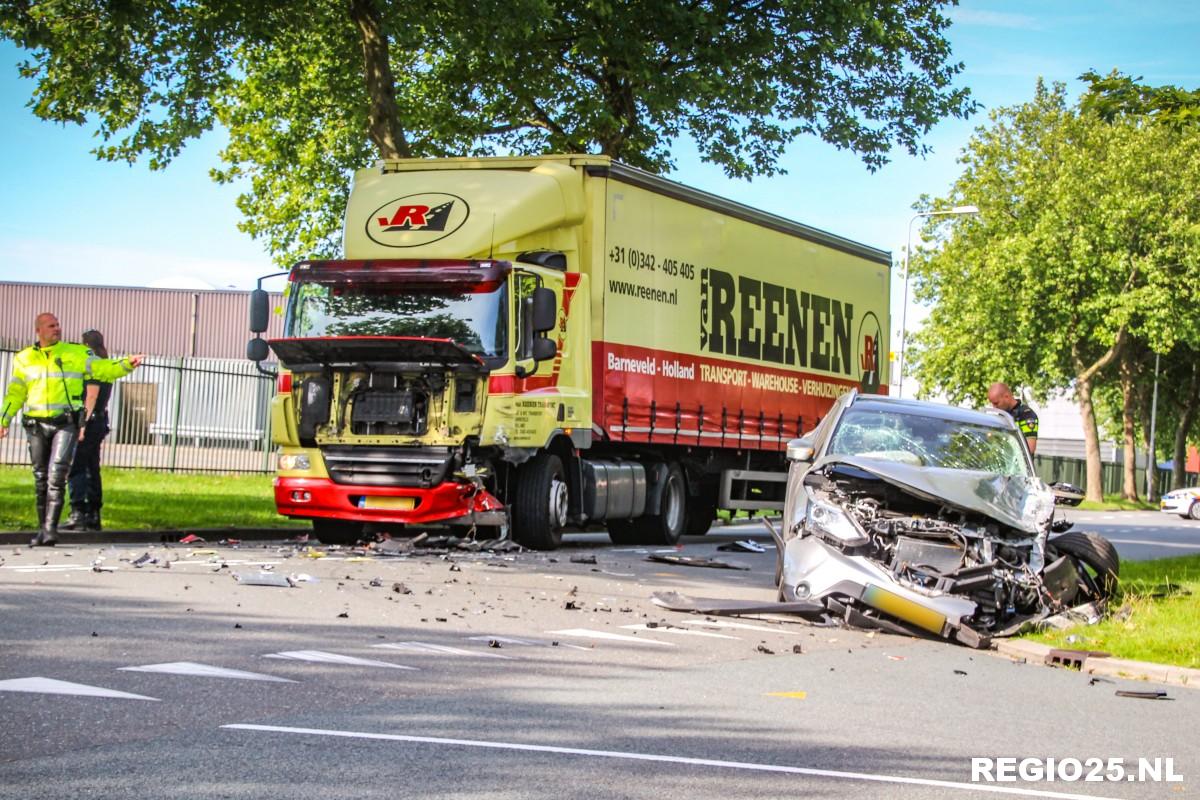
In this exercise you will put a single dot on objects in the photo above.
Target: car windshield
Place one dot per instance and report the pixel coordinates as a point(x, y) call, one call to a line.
point(926, 441)
point(477, 321)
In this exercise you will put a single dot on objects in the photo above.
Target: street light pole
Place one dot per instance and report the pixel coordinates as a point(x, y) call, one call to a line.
point(956, 211)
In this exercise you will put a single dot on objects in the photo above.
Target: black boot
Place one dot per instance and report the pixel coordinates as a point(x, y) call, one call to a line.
point(47, 537)
point(78, 521)
point(93, 522)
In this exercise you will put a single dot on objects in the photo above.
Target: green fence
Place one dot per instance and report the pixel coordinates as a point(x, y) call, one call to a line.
point(1074, 470)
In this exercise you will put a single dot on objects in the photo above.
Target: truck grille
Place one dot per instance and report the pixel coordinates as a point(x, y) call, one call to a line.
point(388, 466)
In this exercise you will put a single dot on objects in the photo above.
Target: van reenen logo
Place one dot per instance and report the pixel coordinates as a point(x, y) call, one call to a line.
point(417, 219)
point(870, 339)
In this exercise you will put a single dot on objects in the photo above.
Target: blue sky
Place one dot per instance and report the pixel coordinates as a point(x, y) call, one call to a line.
point(67, 218)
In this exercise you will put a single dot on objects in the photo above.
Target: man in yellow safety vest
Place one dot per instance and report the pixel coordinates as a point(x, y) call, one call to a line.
point(47, 381)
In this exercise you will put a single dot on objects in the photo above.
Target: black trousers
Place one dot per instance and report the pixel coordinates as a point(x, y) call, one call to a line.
point(87, 491)
point(51, 448)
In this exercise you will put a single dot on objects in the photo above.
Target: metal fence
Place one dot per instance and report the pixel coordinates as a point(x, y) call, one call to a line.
point(179, 415)
point(1112, 476)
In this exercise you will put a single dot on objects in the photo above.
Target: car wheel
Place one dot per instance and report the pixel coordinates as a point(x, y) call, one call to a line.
point(1194, 511)
point(1097, 554)
point(540, 503)
point(337, 531)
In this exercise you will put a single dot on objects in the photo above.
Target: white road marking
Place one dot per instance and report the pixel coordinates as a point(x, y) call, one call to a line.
point(439, 649)
point(584, 633)
point(208, 562)
point(525, 642)
point(641, 626)
point(1184, 546)
point(720, 623)
point(205, 671)
point(695, 762)
point(321, 657)
point(47, 568)
point(52, 686)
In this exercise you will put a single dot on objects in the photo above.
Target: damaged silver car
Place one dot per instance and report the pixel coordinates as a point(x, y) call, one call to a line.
point(928, 519)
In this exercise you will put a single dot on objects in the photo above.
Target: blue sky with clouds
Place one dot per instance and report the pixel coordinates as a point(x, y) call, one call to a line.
point(67, 218)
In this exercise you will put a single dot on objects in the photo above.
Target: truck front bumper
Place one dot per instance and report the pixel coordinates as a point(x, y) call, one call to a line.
point(447, 503)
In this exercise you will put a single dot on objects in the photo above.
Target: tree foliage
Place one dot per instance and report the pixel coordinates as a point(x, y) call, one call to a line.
point(1088, 242)
point(310, 92)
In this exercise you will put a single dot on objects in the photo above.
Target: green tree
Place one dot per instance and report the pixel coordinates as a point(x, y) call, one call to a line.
point(1115, 95)
point(310, 92)
point(1087, 243)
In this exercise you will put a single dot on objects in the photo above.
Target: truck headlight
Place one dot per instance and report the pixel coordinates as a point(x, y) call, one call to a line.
point(827, 519)
point(294, 462)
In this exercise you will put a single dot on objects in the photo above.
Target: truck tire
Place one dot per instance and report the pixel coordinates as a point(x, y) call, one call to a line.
point(337, 531)
point(668, 524)
point(1097, 553)
point(539, 508)
point(621, 531)
point(701, 513)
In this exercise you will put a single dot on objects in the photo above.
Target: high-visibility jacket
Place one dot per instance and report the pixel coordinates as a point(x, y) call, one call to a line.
point(48, 381)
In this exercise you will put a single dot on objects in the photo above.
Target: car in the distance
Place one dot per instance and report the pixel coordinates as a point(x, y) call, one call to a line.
point(1184, 502)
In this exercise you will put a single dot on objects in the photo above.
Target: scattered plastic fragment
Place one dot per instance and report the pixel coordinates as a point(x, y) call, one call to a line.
point(494, 643)
point(792, 695)
point(1157, 694)
point(303, 577)
point(377, 582)
point(263, 579)
point(583, 559)
point(144, 559)
point(742, 545)
point(400, 588)
point(695, 561)
point(762, 648)
point(344, 615)
point(230, 542)
point(1098, 679)
point(455, 568)
point(797, 649)
point(896, 658)
point(960, 672)
point(191, 538)
point(571, 605)
point(310, 553)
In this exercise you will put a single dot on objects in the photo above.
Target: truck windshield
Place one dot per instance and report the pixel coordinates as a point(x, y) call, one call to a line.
point(477, 321)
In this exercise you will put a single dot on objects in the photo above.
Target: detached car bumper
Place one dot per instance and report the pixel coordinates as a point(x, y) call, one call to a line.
point(445, 503)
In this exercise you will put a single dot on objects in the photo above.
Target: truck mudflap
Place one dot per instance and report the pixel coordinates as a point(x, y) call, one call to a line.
point(450, 502)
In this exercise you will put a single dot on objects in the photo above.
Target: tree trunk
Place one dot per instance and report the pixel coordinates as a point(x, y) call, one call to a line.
point(383, 118)
point(1129, 489)
point(1091, 441)
point(1084, 373)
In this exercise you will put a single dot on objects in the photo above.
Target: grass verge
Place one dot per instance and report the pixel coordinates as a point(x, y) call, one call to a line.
point(145, 500)
point(1114, 502)
point(1155, 618)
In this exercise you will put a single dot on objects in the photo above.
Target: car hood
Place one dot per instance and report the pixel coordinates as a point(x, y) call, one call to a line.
point(1017, 501)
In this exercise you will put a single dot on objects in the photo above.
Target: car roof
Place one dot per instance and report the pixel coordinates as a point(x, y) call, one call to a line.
point(924, 408)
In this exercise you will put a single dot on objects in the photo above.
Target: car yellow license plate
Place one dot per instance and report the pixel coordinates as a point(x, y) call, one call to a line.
point(393, 503)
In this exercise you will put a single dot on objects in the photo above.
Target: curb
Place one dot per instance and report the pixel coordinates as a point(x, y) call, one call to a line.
point(212, 535)
point(1106, 666)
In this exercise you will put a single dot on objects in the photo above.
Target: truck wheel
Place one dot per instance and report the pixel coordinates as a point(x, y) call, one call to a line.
point(539, 509)
point(337, 531)
point(621, 531)
point(668, 525)
point(701, 512)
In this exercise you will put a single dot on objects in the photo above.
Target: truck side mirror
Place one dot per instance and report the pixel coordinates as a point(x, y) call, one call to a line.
point(544, 348)
point(260, 312)
point(256, 349)
point(545, 310)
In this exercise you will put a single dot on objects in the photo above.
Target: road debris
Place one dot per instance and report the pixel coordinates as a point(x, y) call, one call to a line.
point(192, 538)
point(762, 648)
point(695, 561)
point(723, 607)
point(1158, 694)
point(262, 578)
point(589, 559)
point(400, 588)
point(742, 546)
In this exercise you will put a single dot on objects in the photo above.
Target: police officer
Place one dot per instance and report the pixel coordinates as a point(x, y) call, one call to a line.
point(87, 490)
point(47, 380)
point(1001, 397)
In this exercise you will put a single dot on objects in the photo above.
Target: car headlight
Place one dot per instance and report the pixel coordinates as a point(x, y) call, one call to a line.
point(827, 519)
point(294, 462)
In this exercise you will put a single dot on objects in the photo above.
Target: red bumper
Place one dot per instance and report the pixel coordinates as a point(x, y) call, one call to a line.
point(321, 497)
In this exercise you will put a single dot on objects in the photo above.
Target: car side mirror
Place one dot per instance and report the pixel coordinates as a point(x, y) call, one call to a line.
point(260, 311)
point(1066, 494)
point(800, 449)
point(545, 310)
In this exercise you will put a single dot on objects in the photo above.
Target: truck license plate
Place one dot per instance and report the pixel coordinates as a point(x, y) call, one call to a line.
point(404, 503)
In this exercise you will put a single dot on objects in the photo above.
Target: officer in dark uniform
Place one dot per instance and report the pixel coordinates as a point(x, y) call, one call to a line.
point(87, 490)
point(47, 381)
point(1001, 397)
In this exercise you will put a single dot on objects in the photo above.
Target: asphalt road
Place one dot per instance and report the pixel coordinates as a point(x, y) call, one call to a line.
point(593, 692)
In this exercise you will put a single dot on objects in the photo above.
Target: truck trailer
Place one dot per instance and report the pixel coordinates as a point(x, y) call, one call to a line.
point(528, 345)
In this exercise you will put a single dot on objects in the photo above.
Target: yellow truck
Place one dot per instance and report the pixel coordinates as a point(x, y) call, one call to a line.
point(527, 345)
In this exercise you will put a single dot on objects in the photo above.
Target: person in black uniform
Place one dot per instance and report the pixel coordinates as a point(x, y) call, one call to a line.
point(1001, 397)
point(84, 479)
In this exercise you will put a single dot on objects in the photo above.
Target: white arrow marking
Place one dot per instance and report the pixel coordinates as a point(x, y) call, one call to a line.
point(321, 657)
point(524, 642)
point(719, 623)
point(438, 649)
point(677, 631)
point(52, 686)
point(584, 633)
point(205, 671)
